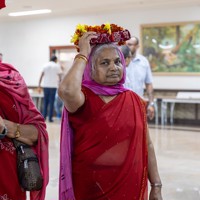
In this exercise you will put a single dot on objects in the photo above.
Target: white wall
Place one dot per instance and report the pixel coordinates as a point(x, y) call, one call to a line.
point(26, 44)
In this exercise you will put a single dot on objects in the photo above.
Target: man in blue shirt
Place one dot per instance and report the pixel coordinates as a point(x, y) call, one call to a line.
point(139, 74)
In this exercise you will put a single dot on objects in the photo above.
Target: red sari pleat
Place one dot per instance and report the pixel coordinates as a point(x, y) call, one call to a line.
point(110, 149)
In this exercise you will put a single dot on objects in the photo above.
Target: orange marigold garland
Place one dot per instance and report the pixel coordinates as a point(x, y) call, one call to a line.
point(106, 33)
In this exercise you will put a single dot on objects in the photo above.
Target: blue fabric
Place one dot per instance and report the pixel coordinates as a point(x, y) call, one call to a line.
point(58, 106)
point(49, 98)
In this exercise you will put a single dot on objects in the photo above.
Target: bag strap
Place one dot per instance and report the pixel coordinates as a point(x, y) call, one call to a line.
point(17, 144)
point(20, 146)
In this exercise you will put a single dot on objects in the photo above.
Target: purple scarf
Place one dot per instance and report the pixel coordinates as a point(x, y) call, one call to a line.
point(103, 89)
point(65, 177)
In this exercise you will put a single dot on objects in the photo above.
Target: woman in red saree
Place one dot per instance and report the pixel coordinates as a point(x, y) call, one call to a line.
point(112, 154)
point(22, 121)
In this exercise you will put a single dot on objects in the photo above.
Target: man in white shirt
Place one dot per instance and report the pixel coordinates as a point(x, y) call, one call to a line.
point(139, 74)
point(51, 76)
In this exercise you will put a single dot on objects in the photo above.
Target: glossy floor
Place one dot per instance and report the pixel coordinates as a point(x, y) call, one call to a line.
point(178, 156)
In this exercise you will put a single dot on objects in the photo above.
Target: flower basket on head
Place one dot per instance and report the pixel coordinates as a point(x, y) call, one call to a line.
point(106, 33)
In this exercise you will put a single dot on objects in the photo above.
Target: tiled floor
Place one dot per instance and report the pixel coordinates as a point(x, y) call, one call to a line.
point(178, 155)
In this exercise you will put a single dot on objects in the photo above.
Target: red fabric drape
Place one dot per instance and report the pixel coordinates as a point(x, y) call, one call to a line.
point(20, 108)
point(2, 4)
point(110, 149)
point(8, 154)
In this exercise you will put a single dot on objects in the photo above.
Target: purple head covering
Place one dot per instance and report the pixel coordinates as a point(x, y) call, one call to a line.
point(104, 89)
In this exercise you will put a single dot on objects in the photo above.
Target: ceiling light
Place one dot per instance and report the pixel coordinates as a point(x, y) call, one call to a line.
point(31, 12)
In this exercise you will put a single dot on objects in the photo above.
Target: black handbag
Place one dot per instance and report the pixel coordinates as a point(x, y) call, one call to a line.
point(28, 168)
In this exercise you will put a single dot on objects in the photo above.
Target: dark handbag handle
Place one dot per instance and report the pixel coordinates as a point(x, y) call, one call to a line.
point(18, 144)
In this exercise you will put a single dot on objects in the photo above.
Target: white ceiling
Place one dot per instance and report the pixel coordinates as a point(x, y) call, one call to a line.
point(84, 7)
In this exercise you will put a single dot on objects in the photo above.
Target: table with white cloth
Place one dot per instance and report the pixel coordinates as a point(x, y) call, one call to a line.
point(181, 98)
point(37, 98)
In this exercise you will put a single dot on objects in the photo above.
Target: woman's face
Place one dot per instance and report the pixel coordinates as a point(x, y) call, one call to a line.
point(108, 69)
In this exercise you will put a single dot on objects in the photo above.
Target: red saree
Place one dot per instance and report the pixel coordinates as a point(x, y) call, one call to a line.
point(16, 105)
point(2, 4)
point(109, 159)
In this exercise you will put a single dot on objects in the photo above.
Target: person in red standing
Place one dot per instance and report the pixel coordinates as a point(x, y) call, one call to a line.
point(20, 120)
point(106, 150)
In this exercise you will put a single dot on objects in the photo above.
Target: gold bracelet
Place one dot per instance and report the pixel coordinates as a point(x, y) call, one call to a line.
point(18, 133)
point(81, 56)
point(156, 185)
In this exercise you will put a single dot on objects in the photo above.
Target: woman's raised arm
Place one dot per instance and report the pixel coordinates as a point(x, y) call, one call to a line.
point(70, 87)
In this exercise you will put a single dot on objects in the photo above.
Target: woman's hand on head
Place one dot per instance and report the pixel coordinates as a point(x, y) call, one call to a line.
point(84, 42)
